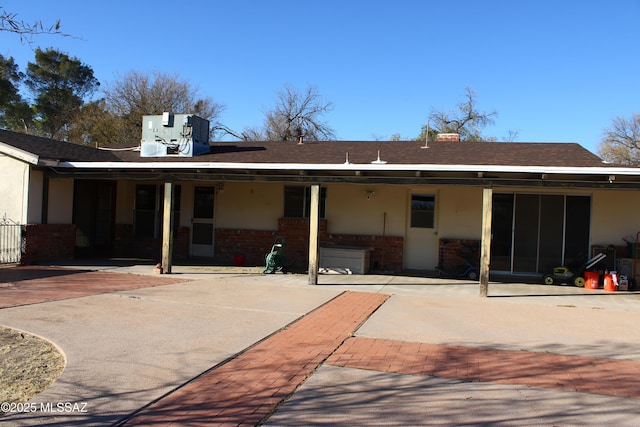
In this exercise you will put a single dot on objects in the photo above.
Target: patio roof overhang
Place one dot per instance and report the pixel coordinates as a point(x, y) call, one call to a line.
point(399, 174)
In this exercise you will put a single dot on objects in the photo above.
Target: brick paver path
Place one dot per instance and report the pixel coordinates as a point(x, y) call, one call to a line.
point(249, 387)
point(534, 369)
point(37, 284)
point(245, 390)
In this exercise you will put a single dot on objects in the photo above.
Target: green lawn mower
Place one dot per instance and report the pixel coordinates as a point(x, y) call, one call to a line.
point(566, 275)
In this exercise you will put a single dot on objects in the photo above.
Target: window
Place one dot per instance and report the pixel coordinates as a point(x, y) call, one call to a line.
point(297, 201)
point(145, 213)
point(203, 202)
point(422, 210)
point(149, 209)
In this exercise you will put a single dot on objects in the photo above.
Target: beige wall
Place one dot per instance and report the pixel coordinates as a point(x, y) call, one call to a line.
point(615, 214)
point(14, 184)
point(237, 205)
point(34, 207)
point(254, 206)
point(459, 213)
point(358, 209)
point(259, 206)
point(60, 205)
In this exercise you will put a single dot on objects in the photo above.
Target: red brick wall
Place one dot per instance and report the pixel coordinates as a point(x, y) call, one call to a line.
point(253, 245)
point(387, 253)
point(296, 232)
point(454, 252)
point(48, 242)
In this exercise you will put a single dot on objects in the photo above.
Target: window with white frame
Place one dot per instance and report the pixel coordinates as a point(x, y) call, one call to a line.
point(423, 207)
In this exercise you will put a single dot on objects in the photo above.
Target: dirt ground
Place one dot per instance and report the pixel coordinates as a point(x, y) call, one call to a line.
point(28, 365)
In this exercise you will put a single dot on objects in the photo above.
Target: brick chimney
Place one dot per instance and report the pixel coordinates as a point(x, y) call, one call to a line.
point(448, 137)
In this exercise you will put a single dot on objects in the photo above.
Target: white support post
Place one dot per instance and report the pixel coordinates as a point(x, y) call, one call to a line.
point(314, 227)
point(485, 252)
point(167, 228)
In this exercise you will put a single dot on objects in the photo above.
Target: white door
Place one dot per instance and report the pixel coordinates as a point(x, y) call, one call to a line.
point(202, 228)
point(421, 243)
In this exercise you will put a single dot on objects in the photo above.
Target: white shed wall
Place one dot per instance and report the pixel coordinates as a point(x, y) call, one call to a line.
point(34, 204)
point(14, 185)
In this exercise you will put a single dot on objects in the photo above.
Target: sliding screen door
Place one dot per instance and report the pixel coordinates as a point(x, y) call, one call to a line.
point(534, 233)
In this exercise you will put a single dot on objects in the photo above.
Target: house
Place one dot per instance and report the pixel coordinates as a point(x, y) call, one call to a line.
point(405, 205)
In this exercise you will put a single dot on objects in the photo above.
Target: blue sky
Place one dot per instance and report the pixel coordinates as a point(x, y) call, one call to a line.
point(555, 71)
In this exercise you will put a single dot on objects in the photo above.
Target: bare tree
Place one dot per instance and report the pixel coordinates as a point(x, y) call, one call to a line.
point(467, 120)
point(137, 94)
point(9, 22)
point(512, 135)
point(621, 142)
point(296, 114)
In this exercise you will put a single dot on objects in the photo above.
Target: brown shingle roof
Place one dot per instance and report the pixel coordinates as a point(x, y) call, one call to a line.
point(394, 152)
point(332, 152)
point(54, 150)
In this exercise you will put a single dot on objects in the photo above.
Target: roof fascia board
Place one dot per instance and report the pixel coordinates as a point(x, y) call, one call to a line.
point(504, 182)
point(19, 154)
point(576, 170)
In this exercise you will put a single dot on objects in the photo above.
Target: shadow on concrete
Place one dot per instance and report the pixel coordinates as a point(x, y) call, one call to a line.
point(21, 274)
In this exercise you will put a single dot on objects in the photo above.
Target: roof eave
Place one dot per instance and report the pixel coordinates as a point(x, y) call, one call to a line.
point(19, 154)
point(574, 170)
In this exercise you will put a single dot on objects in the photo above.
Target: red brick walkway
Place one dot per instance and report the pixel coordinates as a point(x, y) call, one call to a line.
point(37, 284)
point(249, 387)
point(544, 370)
point(245, 390)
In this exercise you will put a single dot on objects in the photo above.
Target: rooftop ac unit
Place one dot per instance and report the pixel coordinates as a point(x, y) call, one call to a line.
point(171, 134)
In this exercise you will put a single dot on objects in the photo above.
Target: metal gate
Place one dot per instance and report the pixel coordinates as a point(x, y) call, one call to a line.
point(10, 241)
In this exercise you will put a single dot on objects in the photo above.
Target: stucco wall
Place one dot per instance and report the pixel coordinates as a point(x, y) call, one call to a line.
point(258, 206)
point(372, 209)
point(254, 206)
point(14, 181)
point(34, 205)
point(615, 214)
point(60, 206)
point(459, 213)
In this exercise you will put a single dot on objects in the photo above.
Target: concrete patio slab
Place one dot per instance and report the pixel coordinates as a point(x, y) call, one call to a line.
point(127, 348)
